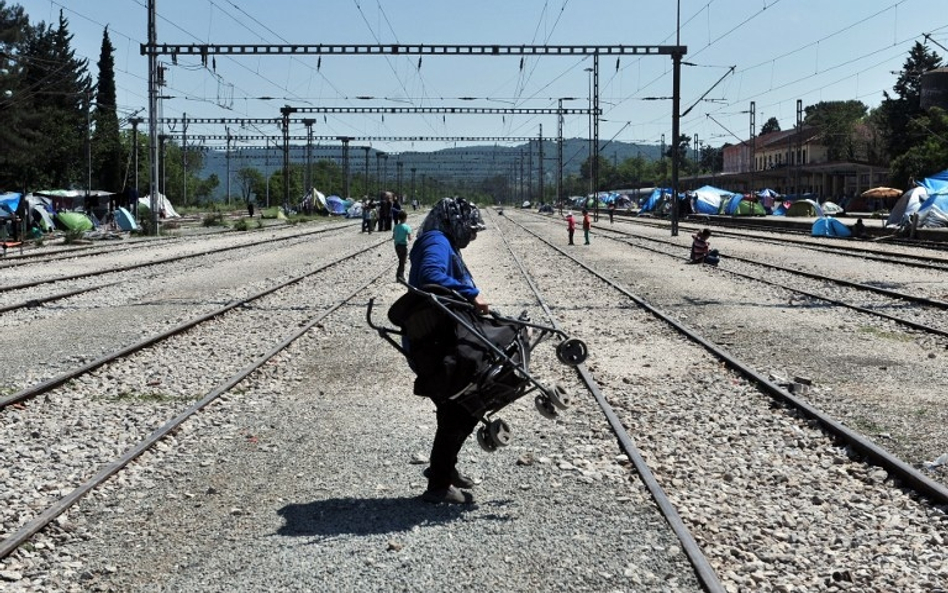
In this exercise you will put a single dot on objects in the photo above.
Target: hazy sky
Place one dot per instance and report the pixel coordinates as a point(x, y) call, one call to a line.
point(782, 51)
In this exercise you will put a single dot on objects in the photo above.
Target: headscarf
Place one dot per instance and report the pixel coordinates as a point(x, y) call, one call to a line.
point(457, 218)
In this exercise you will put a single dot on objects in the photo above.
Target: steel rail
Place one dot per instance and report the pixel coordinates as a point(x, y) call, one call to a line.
point(58, 380)
point(704, 572)
point(36, 302)
point(165, 260)
point(27, 531)
point(82, 251)
point(908, 475)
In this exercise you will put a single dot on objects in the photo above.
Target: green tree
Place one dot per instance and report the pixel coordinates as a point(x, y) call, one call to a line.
point(251, 182)
point(61, 94)
point(107, 155)
point(19, 132)
point(928, 156)
point(770, 126)
point(836, 121)
point(712, 159)
point(896, 112)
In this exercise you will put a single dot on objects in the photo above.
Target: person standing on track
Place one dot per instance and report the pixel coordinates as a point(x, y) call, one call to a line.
point(401, 235)
point(587, 225)
point(570, 227)
point(436, 259)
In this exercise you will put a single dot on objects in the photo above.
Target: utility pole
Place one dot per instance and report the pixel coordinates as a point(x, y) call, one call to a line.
point(309, 157)
point(184, 160)
point(285, 111)
point(413, 183)
point(153, 113)
point(753, 144)
point(540, 176)
point(366, 173)
point(559, 153)
point(378, 173)
point(398, 185)
point(135, 121)
point(345, 165)
point(227, 155)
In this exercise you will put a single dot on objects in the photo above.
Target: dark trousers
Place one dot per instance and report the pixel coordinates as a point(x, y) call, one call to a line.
point(454, 426)
point(402, 252)
point(366, 225)
point(571, 231)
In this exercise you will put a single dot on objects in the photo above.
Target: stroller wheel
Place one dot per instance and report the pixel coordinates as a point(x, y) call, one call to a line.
point(572, 351)
point(545, 407)
point(484, 440)
point(499, 432)
point(560, 397)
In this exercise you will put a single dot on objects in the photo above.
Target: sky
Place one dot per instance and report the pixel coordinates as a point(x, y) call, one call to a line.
point(781, 51)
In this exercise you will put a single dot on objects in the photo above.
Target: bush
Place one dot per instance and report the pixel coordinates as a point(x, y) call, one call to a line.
point(213, 219)
point(241, 225)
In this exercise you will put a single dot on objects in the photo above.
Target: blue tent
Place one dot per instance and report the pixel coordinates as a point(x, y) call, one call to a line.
point(9, 202)
point(934, 211)
point(708, 199)
point(335, 205)
point(654, 200)
point(937, 183)
point(830, 227)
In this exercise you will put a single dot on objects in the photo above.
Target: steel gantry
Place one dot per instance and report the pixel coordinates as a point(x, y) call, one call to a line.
point(153, 49)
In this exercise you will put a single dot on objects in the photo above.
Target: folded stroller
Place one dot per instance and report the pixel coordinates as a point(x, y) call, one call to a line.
point(480, 361)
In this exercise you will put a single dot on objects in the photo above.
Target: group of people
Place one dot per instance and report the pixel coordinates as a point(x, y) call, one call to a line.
point(381, 215)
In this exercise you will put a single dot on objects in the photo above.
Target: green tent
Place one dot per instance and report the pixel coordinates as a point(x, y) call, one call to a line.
point(74, 221)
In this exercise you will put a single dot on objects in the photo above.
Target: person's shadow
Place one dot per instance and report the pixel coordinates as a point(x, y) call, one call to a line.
point(368, 516)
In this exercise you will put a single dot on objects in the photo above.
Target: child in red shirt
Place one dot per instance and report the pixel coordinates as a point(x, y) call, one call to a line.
point(570, 227)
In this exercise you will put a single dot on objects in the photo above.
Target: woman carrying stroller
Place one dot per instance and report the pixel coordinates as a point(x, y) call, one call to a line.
point(436, 259)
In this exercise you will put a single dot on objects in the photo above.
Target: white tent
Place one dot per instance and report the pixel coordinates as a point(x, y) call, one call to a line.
point(907, 205)
point(165, 209)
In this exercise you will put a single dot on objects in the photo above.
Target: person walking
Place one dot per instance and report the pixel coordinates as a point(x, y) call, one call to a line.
point(385, 211)
point(435, 258)
point(612, 210)
point(401, 235)
point(570, 227)
point(587, 224)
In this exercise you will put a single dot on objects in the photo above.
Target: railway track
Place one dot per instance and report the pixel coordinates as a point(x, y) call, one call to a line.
point(678, 432)
point(123, 387)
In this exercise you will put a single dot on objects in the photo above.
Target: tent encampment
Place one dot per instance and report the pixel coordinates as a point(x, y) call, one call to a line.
point(335, 205)
point(907, 205)
point(830, 227)
point(805, 207)
point(659, 198)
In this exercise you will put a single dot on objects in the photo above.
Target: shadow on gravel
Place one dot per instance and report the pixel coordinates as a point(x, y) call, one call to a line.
point(368, 516)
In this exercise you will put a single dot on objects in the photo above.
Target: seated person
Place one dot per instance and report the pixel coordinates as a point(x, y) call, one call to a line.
point(701, 252)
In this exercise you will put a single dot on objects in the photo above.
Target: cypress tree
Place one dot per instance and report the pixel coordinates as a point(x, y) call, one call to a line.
point(107, 154)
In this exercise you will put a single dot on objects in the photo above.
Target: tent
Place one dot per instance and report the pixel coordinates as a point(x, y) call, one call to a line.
point(73, 221)
point(804, 208)
point(907, 205)
point(936, 184)
point(828, 226)
point(831, 209)
point(9, 202)
point(933, 212)
point(740, 205)
point(355, 210)
point(708, 199)
point(654, 202)
point(125, 220)
point(165, 209)
point(335, 205)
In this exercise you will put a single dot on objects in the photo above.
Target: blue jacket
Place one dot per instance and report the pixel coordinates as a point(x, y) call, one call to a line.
point(435, 261)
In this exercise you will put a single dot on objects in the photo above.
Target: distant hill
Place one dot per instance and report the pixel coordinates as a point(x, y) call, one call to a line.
point(470, 163)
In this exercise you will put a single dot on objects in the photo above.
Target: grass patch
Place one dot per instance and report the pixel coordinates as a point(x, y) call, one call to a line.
point(212, 219)
point(884, 334)
point(240, 225)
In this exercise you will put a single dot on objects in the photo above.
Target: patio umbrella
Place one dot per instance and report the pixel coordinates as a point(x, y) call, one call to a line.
point(882, 192)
